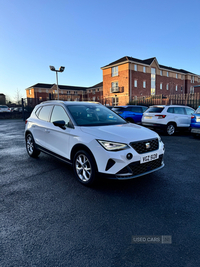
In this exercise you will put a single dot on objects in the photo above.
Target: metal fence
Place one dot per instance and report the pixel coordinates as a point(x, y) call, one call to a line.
point(192, 100)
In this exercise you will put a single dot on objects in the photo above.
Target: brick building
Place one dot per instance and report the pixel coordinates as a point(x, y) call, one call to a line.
point(43, 91)
point(128, 78)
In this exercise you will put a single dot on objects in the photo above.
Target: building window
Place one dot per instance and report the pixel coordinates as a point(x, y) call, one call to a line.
point(192, 79)
point(135, 67)
point(93, 91)
point(160, 85)
point(153, 81)
point(181, 77)
point(30, 92)
point(167, 74)
point(191, 90)
point(176, 87)
point(114, 87)
point(160, 72)
point(144, 69)
point(176, 76)
point(144, 84)
point(135, 83)
point(114, 71)
point(167, 86)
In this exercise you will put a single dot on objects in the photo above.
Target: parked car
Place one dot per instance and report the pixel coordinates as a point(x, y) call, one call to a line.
point(168, 117)
point(19, 109)
point(4, 108)
point(94, 139)
point(130, 113)
point(195, 123)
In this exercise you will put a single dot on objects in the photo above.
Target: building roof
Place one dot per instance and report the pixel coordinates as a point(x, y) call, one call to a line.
point(96, 85)
point(145, 62)
point(62, 87)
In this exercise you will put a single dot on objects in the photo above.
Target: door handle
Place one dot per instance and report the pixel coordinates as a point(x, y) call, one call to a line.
point(47, 131)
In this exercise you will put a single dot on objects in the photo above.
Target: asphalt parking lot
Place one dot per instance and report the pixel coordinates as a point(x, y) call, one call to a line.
point(47, 218)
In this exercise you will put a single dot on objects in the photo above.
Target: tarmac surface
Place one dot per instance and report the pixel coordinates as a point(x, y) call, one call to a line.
point(47, 218)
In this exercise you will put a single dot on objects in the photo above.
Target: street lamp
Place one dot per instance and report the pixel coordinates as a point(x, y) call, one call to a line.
point(61, 69)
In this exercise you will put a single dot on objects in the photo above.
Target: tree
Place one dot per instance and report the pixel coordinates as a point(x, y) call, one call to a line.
point(18, 97)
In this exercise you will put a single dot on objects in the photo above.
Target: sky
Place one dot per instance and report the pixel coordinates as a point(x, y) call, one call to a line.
point(85, 35)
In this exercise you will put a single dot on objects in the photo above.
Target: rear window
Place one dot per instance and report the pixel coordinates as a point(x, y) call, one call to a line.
point(155, 109)
point(3, 107)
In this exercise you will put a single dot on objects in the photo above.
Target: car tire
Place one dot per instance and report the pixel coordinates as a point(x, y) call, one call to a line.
point(30, 146)
point(84, 167)
point(170, 129)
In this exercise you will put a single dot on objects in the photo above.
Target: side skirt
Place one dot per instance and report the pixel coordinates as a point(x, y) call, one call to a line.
point(46, 151)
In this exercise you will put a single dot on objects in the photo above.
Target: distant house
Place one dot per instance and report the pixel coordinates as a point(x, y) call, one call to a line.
point(128, 78)
point(43, 91)
point(2, 99)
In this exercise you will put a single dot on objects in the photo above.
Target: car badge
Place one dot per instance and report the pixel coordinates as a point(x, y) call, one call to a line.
point(148, 145)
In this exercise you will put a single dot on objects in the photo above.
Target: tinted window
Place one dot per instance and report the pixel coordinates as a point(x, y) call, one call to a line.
point(136, 109)
point(189, 111)
point(144, 108)
point(155, 109)
point(198, 111)
point(118, 109)
point(37, 112)
point(179, 110)
point(45, 113)
point(59, 114)
point(3, 107)
point(170, 110)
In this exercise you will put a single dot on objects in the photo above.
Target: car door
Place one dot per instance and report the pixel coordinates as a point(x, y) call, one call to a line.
point(137, 112)
point(40, 128)
point(181, 117)
point(189, 112)
point(58, 138)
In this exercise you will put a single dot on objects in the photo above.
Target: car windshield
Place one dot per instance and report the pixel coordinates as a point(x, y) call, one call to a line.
point(94, 115)
point(154, 110)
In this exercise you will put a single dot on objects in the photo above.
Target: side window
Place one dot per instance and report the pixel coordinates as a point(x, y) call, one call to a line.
point(179, 110)
point(44, 113)
point(137, 109)
point(170, 110)
point(59, 114)
point(189, 111)
point(37, 112)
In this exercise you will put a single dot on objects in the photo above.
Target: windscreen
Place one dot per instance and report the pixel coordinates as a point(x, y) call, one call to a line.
point(94, 115)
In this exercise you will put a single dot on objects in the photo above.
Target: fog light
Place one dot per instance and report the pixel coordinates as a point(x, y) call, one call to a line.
point(129, 156)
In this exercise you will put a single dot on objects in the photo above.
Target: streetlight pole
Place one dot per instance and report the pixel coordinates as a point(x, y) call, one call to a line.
point(61, 69)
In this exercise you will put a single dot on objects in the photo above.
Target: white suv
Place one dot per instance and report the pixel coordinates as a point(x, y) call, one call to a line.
point(93, 139)
point(169, 118)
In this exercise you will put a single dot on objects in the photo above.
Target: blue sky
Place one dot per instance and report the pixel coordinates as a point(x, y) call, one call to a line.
point(86, 35)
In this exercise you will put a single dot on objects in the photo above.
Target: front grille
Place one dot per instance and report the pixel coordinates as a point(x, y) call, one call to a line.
point(137, 168)
point(145, 146)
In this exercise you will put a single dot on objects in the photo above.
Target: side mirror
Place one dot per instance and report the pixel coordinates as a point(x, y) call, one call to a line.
point(60, 124)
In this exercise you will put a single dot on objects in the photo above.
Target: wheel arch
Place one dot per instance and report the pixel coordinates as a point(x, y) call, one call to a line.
point(79, 147)
point(172, 122)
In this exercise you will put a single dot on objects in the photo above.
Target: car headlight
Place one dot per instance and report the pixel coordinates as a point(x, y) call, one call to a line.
point(112, 146)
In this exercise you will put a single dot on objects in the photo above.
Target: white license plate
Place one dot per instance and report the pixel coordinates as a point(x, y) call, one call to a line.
point(149, 157)
point(195, 130)
point(148, 117)
point(198, 119)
